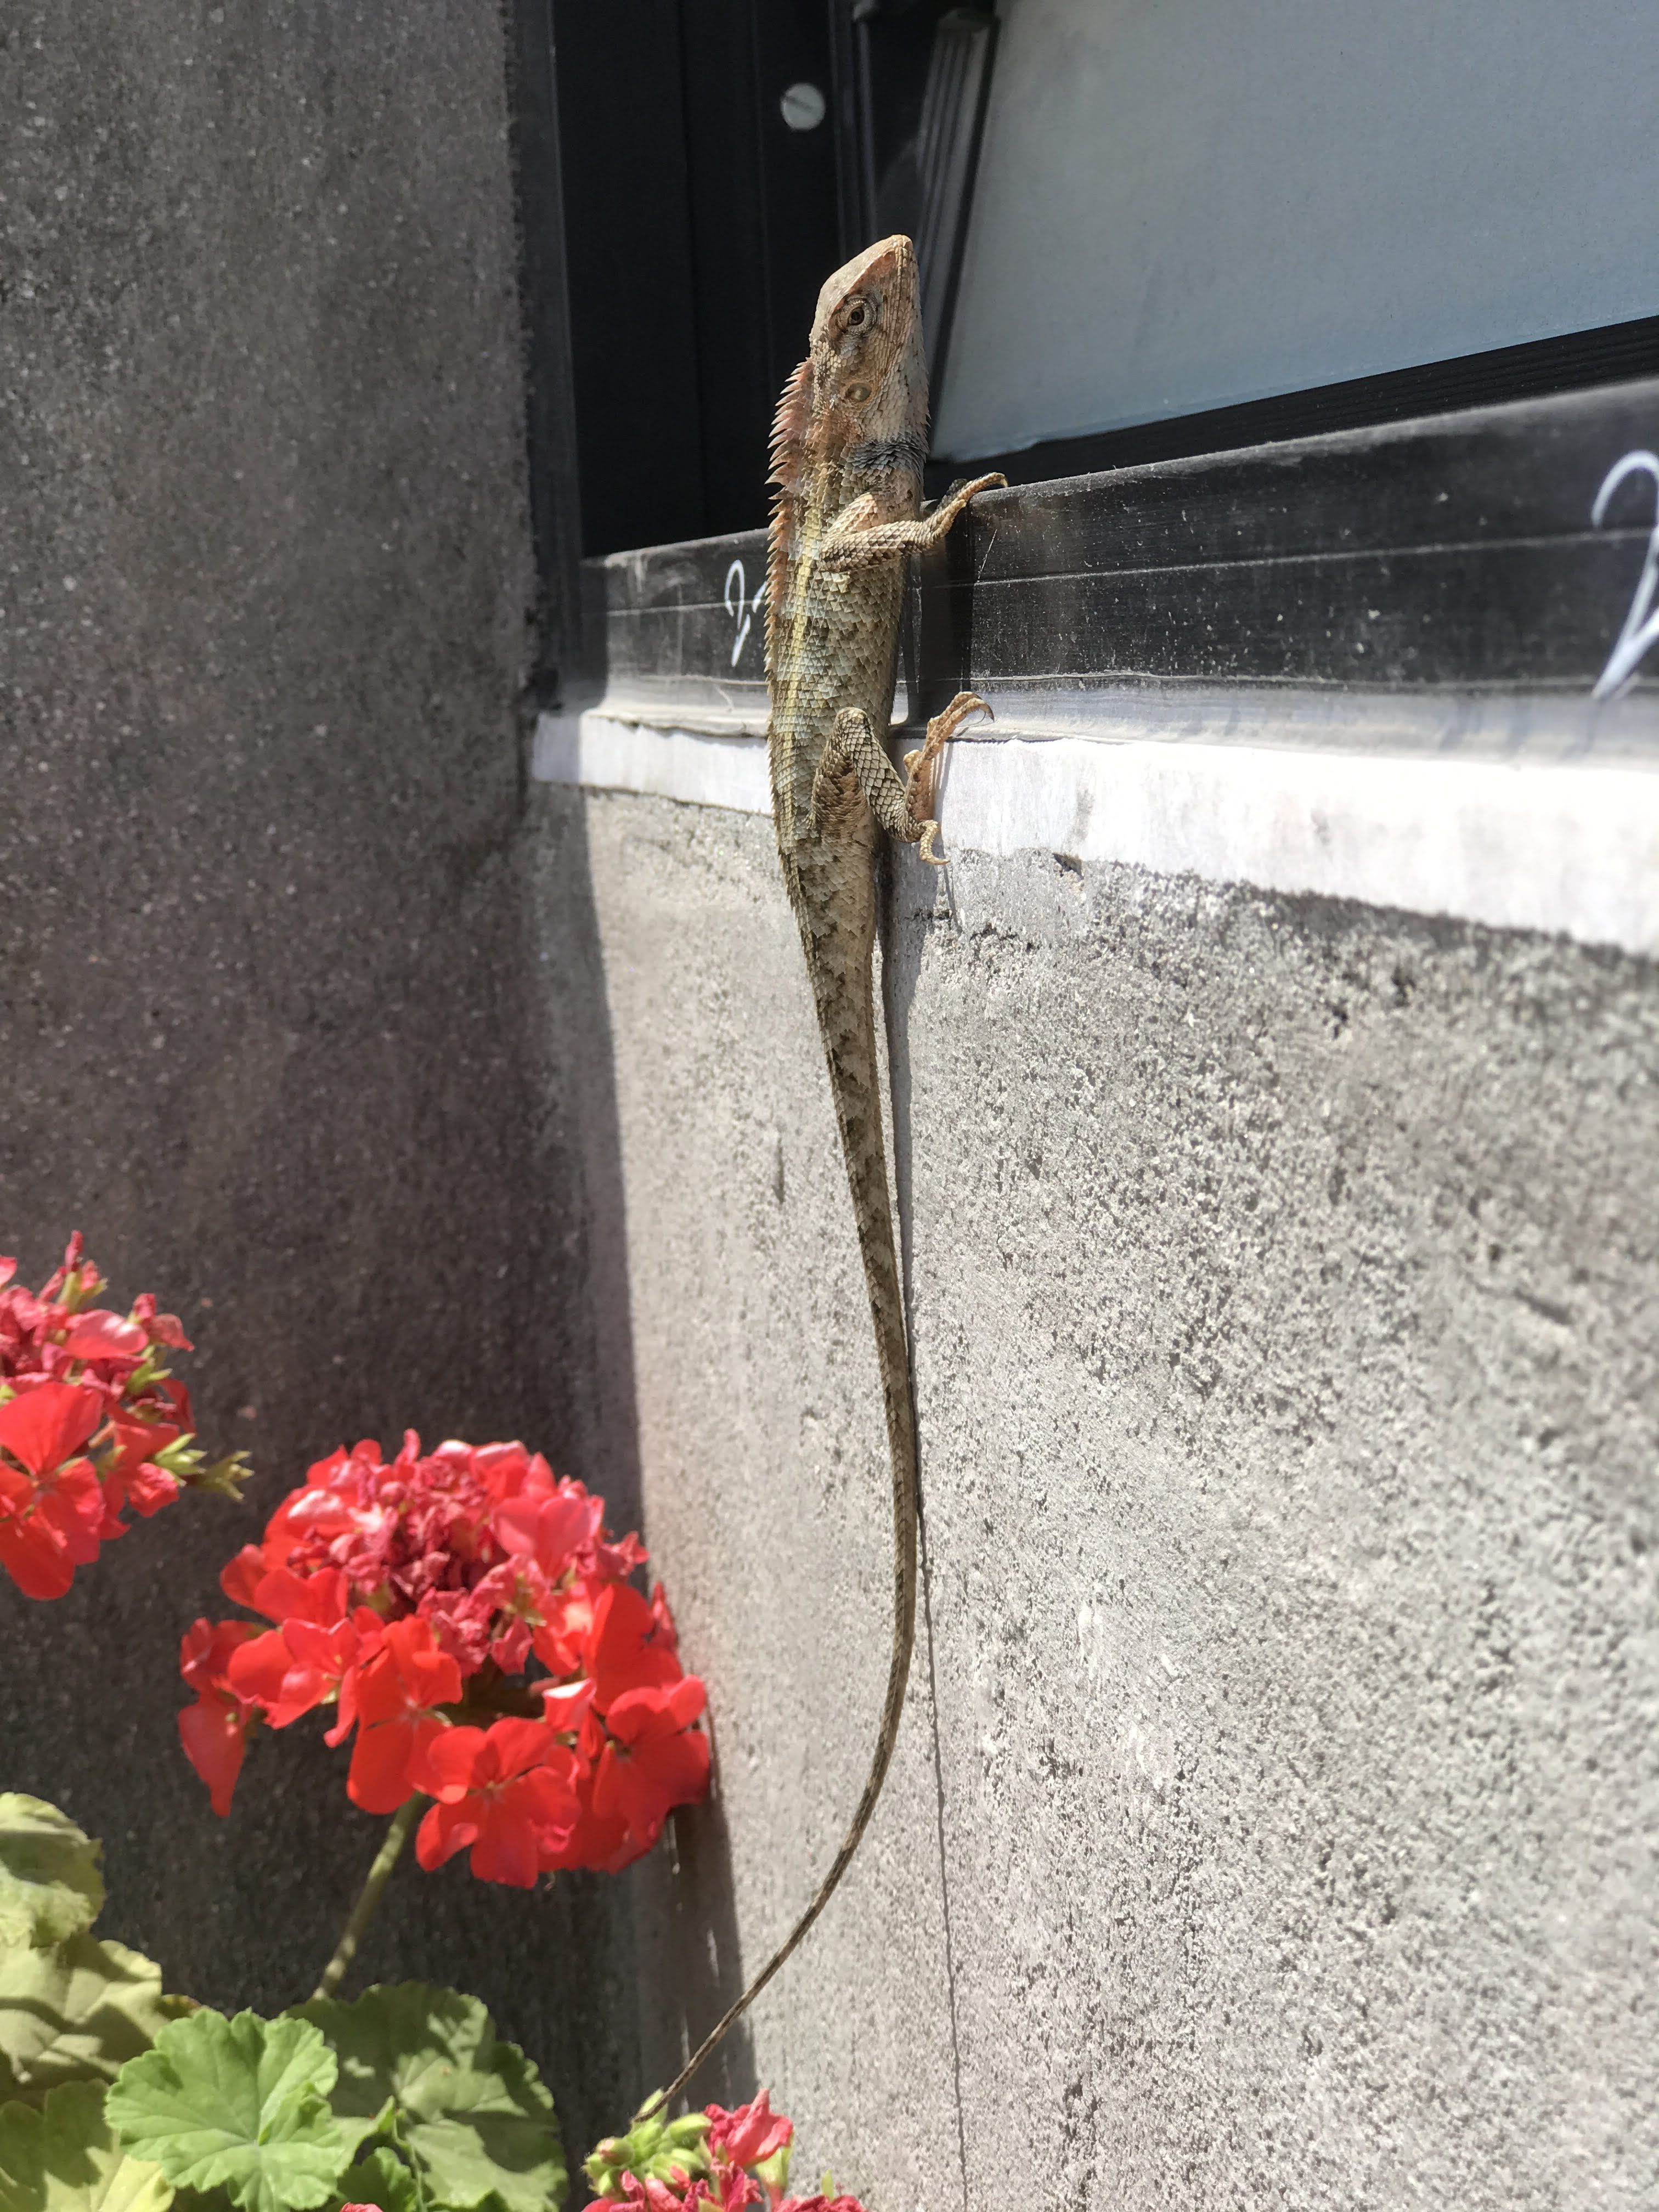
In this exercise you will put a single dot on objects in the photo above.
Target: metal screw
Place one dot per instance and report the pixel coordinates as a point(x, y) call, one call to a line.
point(802, 107)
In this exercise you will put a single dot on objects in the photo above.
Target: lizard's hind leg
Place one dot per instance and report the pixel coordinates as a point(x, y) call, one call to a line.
point(903, 806)
point(852, 748)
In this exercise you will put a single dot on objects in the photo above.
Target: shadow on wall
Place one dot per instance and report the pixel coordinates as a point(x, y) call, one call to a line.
point(379, 1179)
point(687, 1915)
point(368, 1167)
point(292, 1030)
point(298, 1026)
point(618, 2036)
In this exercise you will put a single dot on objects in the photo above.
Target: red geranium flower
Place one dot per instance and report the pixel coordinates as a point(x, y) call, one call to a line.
point(50, 1516)
point(565, 1705)
point(239, 1578)
point(101, 1335)
point(290, 1669)
point(137, 1421)
point(654, 1758)
point(405, 1587)
point(730, 2191)
point(135, 1479)
point(752, 2134)
point(395, 1696)
point(633, 1644)
point(508, 1790)
point(215, 1729)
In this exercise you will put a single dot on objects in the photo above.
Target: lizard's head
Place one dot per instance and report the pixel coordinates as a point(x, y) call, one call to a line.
point(869, 374)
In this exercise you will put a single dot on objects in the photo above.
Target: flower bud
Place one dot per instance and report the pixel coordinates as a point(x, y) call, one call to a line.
point(654, 2149)
point(772, 2174)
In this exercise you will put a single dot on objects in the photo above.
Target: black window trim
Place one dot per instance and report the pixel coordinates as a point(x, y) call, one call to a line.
point(1575, 361)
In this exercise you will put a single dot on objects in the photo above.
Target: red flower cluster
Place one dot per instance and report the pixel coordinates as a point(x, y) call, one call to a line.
point(708, 2161)
point(90, 1422)
point(467, 1614)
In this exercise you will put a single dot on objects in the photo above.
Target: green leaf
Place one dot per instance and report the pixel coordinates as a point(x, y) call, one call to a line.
point(74, 2013)
point(382, 2179)
point(469, 2111)
point(63, 2158)
point(50, 1886)
point(239, 2105)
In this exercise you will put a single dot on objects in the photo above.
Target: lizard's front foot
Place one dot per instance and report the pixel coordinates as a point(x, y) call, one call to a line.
point(969, 488)
point(919, 767)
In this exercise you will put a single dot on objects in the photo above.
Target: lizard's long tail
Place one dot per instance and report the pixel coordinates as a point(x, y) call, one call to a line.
point(839, 969)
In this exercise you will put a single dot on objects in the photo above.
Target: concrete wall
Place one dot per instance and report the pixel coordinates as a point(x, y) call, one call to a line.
point(1273, 1817)
point(269, 1035)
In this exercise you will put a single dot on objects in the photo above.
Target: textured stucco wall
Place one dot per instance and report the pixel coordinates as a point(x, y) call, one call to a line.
point(1275, 1817)
point(269, 1036)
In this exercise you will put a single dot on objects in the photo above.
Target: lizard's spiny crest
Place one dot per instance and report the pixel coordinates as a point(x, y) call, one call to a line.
point(791, 427)
point(791, 430)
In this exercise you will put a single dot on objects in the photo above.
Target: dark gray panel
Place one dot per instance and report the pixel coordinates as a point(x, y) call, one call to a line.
point(1453, 553)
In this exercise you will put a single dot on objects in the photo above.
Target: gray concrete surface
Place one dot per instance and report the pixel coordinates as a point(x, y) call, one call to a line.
point(269, 1031)
point(1275, 1818)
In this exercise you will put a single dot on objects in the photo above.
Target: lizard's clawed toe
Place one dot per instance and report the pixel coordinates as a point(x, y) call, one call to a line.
point(944, 726)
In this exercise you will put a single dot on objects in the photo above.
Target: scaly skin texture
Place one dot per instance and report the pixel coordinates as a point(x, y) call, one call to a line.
point(847, 450)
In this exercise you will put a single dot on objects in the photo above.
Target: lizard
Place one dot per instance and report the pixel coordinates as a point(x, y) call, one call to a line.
point(847, 453)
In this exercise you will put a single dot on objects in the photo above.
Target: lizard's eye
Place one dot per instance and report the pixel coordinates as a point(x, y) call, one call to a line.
point(858, 315)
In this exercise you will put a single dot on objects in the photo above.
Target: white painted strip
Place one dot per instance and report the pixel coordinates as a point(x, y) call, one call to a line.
point(1550, 844)
point(609, 755)
point(1573, 849)
point(1498, 726)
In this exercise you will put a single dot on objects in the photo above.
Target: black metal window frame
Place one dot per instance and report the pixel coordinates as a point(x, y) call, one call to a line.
point(688, 226)
point(1501, 552)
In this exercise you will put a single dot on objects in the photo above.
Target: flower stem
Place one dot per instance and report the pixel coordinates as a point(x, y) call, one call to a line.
point(390, 1850)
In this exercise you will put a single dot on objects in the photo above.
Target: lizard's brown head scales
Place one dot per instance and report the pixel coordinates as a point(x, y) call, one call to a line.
point(869, 374)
